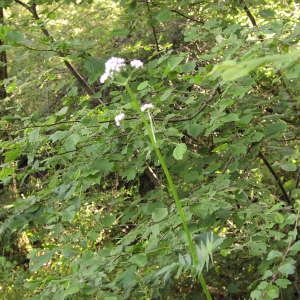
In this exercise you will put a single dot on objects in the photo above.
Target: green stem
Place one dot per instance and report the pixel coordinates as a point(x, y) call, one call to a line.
point(171, 187)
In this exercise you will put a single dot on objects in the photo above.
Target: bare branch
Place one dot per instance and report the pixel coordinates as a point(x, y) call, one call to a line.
point(249, 14)
point(268, 165)
point(187, 17)
point(152, 27)
point(84, 84)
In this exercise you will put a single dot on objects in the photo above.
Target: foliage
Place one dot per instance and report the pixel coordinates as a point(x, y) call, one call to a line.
point(85, 208)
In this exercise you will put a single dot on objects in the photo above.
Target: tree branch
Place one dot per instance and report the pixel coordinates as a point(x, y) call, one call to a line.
point(23, 4)
point(249, 14)
point(84, 84)
point(187, 17)
point(200, 110)
point(153, 28)
point(175, 120)
point(268, 165)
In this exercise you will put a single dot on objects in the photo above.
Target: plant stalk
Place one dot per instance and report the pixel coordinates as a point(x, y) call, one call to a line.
point(171, 187)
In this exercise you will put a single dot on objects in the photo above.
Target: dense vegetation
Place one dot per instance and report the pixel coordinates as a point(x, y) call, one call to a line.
point(196, 196)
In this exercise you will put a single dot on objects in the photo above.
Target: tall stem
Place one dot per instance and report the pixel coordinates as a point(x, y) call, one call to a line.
point(171, 187)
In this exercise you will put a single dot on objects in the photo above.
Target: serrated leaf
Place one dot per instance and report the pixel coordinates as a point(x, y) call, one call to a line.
point(283, 283)
point(296, 247)
point(287, 268)
point(104, 166)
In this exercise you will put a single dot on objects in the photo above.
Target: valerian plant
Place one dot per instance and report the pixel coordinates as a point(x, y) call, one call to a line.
point(115, 65)
point(86, 211)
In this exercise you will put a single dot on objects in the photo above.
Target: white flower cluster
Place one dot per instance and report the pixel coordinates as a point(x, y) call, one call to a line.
point(119, 118)
point(116, 64)
point(136, 63)
point(146, 106)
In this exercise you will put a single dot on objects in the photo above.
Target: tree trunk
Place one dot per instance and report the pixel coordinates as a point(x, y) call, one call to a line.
point(3, 61)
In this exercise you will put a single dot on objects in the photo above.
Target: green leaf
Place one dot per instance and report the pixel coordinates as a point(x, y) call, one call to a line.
point(275, 129)
point(139, 259)
point(163, 15)
point(232, 70)
point(257, 248)
point(12, 154)
point(179, 151)
point(71, 141)
point(104, 166)
point(274, 254)
point(288, 166)
point(267, 274)
point(278, 217)
point(283, 283)
point(220, 148)
point(267, 13)
point(172, 63)
point(63, 111)
point(34, 135)
point(194, 129)
point(295, 247)
point(188, 67)
point(159, 214)
point(14, 37)
point(128, 278)
point(108, 220)
point(94, 68)
point(287, 268)
point(38, 260)
point(58, 135)
point(143, 85)
point(5, 172)
point(272, 291)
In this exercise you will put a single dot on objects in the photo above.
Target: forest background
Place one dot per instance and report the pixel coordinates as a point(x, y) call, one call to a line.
point(195, 197)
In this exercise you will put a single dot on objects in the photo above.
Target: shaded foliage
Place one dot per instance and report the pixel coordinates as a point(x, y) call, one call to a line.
point(85, 209)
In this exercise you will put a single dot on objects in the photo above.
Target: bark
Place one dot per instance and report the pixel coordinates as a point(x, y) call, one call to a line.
point(3, 61)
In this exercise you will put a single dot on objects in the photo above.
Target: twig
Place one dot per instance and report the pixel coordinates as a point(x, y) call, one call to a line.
point(288, 248)
point(175, 120)
point(201, 109)
point(153, 28)
point(298, 179)
point(268, 165)
point(35, 49)
point(32, 9)
point(249, 14)
point(186, 17)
